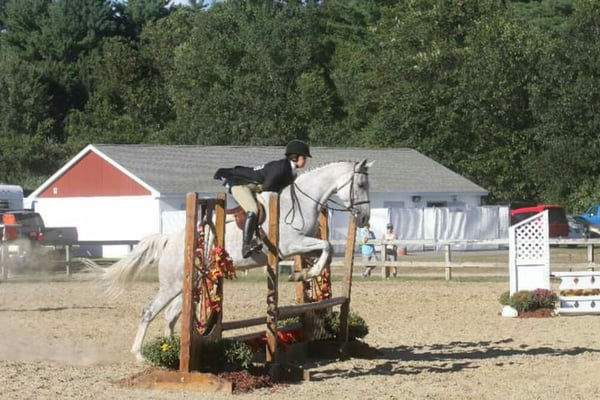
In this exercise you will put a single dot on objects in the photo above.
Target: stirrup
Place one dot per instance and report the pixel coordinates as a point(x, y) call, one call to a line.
point(248, 249)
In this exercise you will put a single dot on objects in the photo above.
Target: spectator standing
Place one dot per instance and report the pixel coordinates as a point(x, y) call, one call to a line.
point(367, 249)
point(391, 253)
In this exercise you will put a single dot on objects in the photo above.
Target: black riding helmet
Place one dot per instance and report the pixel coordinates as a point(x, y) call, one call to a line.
point(297, 147)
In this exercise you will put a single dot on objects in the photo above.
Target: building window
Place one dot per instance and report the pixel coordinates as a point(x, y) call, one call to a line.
point(437, 204)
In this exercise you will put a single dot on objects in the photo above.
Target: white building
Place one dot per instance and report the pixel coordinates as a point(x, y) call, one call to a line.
point(125, 192)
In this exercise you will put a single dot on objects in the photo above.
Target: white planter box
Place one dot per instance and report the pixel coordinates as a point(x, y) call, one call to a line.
point(579, 292)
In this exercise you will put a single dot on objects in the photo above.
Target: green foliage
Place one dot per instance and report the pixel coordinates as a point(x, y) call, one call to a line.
point(238, 354)
point(288, 321)
point(251, 74)
point(142, 11)
point(550, 16)
point(232, 354)
point(163, 351)
point(357, 327)
point(529, 300)
point(225, 354)
point(504, 298)
point(504, 93)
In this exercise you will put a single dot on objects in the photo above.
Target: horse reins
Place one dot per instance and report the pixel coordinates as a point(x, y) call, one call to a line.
point(351, 208)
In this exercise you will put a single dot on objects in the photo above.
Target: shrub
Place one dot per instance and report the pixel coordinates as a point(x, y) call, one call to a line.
point(232, 354)
point(357, 327)
point(225, 354)
point(529, 300)
point(504, 298)
point(163, 351)
point(237, 353)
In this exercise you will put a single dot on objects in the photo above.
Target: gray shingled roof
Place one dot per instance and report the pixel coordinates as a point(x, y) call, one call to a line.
point(180, 169)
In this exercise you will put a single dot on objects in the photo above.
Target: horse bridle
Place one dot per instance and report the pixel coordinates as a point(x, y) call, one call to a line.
point(351, 208)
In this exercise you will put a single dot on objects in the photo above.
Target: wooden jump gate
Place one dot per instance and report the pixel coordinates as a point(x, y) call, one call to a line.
point(191, 339)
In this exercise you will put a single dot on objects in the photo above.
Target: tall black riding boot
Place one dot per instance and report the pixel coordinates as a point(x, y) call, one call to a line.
point(249, 228)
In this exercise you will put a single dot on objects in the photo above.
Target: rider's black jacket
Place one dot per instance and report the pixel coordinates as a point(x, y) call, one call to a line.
point(272, 176)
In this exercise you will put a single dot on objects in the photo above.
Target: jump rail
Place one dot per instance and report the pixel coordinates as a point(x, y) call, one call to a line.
point(285, 312)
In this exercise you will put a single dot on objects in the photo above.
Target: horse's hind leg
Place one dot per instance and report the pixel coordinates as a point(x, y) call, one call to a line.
point(150, 312)
point(172, 314)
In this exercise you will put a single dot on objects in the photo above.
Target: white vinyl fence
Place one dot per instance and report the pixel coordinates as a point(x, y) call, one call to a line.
point(415, 225)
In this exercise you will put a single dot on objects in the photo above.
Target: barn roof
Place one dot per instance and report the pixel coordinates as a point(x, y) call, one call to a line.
point(174, 169)
point(179, 169)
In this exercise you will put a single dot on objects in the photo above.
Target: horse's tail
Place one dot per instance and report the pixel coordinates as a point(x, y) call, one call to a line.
point(145, 255)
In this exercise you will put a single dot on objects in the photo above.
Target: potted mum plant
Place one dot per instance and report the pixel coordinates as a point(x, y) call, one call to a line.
point(537, 303)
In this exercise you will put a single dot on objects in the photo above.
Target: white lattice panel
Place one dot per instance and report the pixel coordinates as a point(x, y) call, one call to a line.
point(529, 254)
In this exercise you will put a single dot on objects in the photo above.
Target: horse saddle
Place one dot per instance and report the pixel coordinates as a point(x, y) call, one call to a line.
point(240, 215)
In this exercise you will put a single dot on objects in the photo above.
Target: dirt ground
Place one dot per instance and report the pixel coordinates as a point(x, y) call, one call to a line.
point(437, 340)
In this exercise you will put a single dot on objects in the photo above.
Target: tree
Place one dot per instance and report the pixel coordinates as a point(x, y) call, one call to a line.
point(549, 16)
point(137, 13)
point(567, 106)
point(42, 48)
point(127, 104)
point(244, 75)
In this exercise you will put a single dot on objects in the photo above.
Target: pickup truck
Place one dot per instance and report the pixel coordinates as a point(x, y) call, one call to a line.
point(592, 214)
point(30, 241)
point(557, 218)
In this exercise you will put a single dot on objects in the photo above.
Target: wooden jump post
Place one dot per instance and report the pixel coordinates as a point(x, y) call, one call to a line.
point(190, 339)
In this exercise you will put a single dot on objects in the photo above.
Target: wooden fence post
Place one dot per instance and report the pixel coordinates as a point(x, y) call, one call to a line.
point(448, 260)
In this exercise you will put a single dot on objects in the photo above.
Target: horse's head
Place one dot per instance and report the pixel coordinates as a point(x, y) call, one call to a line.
point(353, 191)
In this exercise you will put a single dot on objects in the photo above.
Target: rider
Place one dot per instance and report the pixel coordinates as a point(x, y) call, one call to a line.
point(245, 182)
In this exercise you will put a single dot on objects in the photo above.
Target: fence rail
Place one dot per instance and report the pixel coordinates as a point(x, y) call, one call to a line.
point(448, 264)
point(447, 261)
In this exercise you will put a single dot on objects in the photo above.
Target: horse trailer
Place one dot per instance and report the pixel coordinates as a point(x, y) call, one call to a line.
point(11, 198)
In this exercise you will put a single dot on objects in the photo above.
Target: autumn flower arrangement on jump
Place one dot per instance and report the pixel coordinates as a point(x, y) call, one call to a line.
point(284, 339)
point(319, 288)
point(208, 293)
point(164, 350)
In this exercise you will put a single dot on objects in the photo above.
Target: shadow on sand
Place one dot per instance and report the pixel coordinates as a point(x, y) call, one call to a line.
point(443, 358)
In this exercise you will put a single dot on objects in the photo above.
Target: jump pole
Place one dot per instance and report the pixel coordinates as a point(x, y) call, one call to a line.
point(347, 283)
point(272, 280)
point(190, 340)
point(186, 379)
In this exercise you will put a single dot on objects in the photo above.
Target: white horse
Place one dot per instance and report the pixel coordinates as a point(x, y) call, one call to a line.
point(300, 204)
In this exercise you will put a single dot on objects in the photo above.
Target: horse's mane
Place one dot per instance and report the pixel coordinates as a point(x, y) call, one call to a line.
point(323, 166)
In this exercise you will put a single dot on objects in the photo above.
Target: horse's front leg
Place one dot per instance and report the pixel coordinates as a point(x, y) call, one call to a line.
point(309, 245)
point(160, 301)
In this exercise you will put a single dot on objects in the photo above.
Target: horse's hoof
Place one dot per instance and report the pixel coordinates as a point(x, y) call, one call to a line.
point(297, 277)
